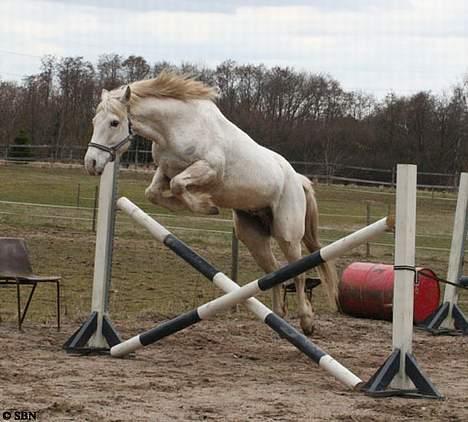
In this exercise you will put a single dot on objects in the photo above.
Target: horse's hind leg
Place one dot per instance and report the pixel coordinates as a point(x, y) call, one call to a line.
point(292, 252)
point(288, 229)
point(252, 232)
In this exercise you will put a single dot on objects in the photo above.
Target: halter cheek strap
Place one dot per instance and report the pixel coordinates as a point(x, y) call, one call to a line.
point(112, 150)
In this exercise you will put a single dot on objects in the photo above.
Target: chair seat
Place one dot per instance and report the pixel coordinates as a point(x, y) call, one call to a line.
point(311, 283)
point(32, 278)
point(290, 287)
point(38, 278)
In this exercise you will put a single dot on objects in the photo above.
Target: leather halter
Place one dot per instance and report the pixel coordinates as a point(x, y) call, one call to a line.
point(112, 150)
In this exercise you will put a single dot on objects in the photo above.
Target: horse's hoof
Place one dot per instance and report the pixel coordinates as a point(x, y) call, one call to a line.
point(281, 312)
point(167, 194)
point(307, 326)
point(151, 197)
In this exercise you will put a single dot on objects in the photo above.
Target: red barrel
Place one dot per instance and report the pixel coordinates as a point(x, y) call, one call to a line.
point(366, 290)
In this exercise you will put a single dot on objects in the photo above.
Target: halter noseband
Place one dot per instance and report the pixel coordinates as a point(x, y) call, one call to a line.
point(113, 149)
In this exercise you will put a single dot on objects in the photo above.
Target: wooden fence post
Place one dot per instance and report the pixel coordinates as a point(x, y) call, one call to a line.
point(96, 196)
point(234, 256)
point(368, 222)
point(78, 196)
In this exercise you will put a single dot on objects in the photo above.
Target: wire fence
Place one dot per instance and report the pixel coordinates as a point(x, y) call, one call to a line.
point(343, 210)
point(346, 174)
point(84, 218)
point(141, 157)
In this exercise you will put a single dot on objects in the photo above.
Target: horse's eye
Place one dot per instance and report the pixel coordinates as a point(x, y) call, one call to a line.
point(114, 123)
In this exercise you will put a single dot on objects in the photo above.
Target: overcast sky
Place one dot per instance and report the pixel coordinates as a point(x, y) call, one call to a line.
point(375, 46)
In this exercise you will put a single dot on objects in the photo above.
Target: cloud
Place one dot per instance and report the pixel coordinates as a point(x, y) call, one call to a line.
point(369, 45)
point(220, 6)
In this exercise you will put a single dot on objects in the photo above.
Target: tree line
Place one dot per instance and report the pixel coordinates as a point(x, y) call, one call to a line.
point(302, 115)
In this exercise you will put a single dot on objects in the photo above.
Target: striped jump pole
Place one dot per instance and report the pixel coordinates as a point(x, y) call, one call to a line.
point(237, 294)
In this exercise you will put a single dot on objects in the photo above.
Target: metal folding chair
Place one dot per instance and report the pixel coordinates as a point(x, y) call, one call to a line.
point(16, 270)
point(290, 287)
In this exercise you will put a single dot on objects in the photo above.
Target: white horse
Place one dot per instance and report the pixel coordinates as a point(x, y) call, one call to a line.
point(205, 162)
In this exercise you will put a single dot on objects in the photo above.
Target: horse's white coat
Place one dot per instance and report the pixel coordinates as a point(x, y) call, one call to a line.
point(205, 162)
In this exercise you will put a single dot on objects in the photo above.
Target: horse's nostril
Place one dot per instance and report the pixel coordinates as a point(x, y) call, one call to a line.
point(94, 163)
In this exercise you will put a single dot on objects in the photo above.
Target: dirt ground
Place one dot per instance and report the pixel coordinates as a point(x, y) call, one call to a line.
point(232, 369)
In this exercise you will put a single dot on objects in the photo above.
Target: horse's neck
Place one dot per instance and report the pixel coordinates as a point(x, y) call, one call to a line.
point(148, 120)
point(164, 121)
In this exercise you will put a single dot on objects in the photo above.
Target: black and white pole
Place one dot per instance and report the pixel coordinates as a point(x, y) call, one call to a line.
point(97, 332)
point(448, 317)
point(400, 375)
point(237, 294)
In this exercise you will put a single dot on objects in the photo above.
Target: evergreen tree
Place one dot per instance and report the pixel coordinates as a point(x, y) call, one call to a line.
point(20, 149)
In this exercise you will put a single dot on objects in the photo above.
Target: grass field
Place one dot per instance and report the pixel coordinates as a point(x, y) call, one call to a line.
point(148, 279)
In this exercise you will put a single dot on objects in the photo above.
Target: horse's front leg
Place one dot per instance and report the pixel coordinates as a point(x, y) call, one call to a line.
point(192, 187)
point(159, 193)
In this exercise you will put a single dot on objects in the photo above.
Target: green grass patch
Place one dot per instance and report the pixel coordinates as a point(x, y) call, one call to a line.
point(147, 278)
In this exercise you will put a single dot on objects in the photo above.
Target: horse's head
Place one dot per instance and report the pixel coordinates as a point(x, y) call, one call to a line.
point(112, 130)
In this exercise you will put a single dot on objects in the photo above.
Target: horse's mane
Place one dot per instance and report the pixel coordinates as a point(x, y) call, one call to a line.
point(172, 85)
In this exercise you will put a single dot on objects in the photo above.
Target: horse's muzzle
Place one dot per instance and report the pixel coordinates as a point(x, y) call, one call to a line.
point(91, 163)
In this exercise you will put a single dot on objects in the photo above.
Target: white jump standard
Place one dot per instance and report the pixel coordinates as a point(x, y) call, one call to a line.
point(400, 374)
point(97, 334)
point(449, 318)
point(239, 294)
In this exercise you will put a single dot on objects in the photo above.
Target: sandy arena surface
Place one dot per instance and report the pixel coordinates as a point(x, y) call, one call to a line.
point(224, 370)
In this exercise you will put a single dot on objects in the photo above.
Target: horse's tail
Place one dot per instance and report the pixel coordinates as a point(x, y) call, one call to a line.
point(327, 270)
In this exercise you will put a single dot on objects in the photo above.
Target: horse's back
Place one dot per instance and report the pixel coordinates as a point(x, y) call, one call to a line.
point(254, 176)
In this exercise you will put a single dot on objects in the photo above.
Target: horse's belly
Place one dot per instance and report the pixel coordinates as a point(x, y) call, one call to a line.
point(250, 186)
point(244, 198)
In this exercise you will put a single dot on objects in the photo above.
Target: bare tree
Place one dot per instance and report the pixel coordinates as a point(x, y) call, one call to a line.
point(304, 116)
point(10, 102)
point(109, 70)
point(135, 68)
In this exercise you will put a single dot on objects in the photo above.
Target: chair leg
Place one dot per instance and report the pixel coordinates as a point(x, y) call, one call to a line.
point(58, 305)
point(28, 302)
point(18, 303)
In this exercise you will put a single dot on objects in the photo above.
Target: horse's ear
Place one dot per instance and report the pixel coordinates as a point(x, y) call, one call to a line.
point(104, 93)
point(125, 98)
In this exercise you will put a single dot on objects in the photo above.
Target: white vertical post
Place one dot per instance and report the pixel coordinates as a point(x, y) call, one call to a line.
point(104, 244)
point(457, 249)
point(403, 290)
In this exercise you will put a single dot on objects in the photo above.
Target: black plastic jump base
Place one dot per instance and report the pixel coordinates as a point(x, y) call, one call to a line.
point(432, 324)
point(378, 385)
point(79, 339)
